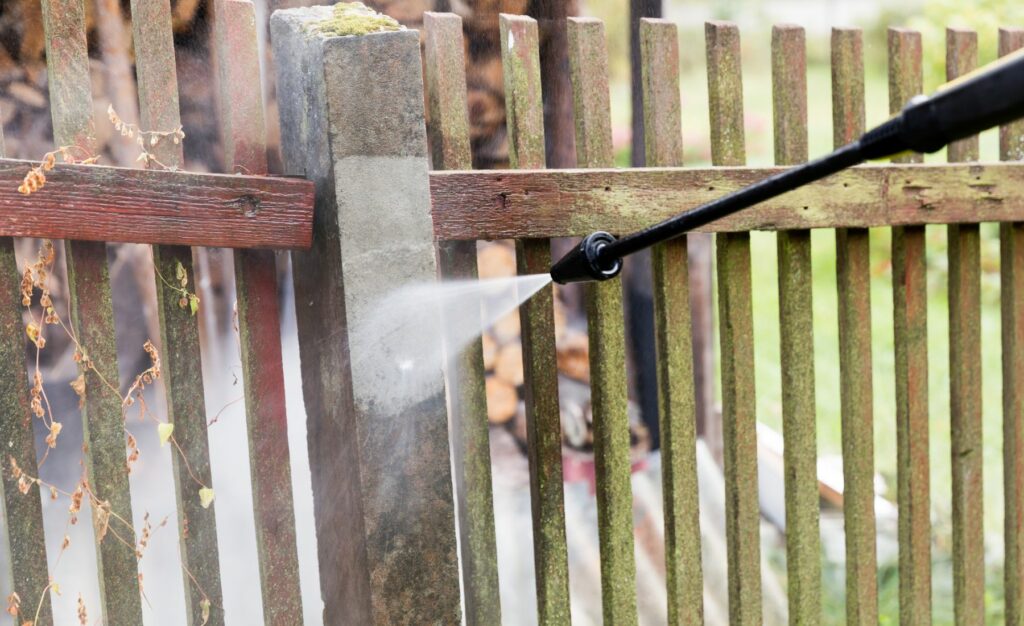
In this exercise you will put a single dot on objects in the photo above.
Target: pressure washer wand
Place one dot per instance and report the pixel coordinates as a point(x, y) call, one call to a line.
point(987, 97)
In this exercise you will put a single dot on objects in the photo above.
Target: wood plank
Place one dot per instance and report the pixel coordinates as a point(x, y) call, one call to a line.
point(99, 203)
point(497, 204)
point(964, 250)
point(92, 316)
point(23, 538)
point(448, 131)
point(519, 51)
point(659, 72)
point(259, 325)
point(853, 280)
point(1011, 280)
point(736, 329)
point(910, 310)
point(588, 70)
point(179, 328)
point(796, 326)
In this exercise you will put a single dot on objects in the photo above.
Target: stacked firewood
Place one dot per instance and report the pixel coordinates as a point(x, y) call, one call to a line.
point(503, 361)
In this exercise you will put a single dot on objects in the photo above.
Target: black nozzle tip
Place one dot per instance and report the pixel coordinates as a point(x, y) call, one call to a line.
point(583, 263)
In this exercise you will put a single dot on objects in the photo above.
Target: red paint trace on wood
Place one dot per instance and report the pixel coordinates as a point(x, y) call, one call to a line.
point(99, 203)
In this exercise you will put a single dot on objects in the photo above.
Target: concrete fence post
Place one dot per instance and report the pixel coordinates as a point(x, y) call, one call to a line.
point(352, 121)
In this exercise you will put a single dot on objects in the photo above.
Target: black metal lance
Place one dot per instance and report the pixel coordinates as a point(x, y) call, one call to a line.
point(987, 97)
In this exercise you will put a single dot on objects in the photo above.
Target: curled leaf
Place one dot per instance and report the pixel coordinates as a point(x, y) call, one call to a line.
point(165, 431)
point(206, 497)
point(204, 606)
point(193, 303)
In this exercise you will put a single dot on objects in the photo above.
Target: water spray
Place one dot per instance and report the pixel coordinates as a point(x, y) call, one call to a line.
point(987, 97)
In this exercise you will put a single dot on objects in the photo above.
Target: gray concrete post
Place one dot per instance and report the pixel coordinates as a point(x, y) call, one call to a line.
point(352, 121)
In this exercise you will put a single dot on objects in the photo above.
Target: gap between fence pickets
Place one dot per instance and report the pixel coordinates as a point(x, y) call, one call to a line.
point(101, 203)
point(508, 204)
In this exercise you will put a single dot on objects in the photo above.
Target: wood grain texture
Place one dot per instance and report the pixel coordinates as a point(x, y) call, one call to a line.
point(525, 120)
point(448, 132)
point(796, 330)
point(736, 334)
point(571, 203)
point(98, 203)
point(23, 538)
point(910, 311)
point(259, 325)
point(1011, 282)
point(853, 280)
point(179, 329)
point(964, 254)
point(588, 70)
point(659, 58)
point(92, 316)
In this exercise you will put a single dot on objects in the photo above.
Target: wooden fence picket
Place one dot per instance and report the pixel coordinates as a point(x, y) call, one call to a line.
point(448, 130)
point(588, 68)
point(179, 328)
point(796, 320)
point(853, 281)
point(525, 111)
point(92, 317)
point(739, 407)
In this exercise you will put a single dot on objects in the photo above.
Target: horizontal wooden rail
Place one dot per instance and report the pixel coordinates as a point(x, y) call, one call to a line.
point(566, 203)
point(99, 203)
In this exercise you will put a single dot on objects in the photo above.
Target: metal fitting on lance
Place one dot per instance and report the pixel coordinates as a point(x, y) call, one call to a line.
point(584, 263)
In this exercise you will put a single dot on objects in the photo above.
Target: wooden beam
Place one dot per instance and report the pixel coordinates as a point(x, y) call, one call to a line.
point(570, 203)
point(99, 203)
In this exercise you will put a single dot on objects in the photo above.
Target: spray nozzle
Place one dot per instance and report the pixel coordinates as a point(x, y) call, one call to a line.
point(584, 263)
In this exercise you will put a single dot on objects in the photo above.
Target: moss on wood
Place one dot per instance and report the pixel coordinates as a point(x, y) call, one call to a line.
point(355, 19)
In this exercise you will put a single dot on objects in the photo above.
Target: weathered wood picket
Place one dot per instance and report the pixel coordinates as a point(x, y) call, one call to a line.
point(402, 480)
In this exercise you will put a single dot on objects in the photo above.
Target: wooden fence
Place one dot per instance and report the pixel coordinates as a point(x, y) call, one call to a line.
point(387, 505)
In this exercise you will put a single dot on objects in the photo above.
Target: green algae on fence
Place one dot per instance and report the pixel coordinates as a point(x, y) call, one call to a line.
point(588, 68)
point(23, 513)
point(853, 281)
point(525, 120)
point(966, 450)
point(663, 139)
point(92, 316)
point(739, 421)
point(796, 330)
point(448, 131)
point(910, 336)
point(179, 328)
point(259, 325)
point(1011, 280)
point(355, 18)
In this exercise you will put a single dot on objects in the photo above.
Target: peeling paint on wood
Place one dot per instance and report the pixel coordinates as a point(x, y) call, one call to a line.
point(112, 204)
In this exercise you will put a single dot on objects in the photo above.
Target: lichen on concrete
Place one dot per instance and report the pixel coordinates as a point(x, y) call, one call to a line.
point(355, 18)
